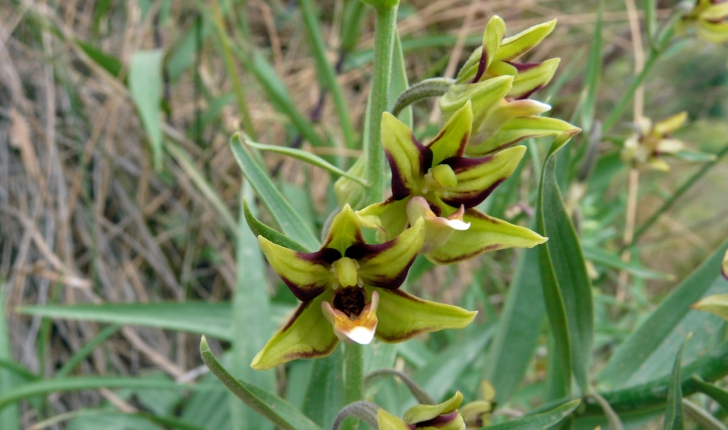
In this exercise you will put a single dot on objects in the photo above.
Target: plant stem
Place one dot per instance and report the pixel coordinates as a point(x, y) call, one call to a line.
point(353, 379)
point(677, 194)
point(384, 30)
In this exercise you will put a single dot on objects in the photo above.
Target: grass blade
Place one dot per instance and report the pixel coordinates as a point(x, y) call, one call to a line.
point(713, 391)
point(145, 87)
point(306, 157)
point(540, 421)
point(275, 409)
point(566, 285)
point(664, 329)
point(87, 349)
point(9, 418)
point(291, 224)
point(325, 393)
point(518, 329)
point(674, 408)
point(251, 326)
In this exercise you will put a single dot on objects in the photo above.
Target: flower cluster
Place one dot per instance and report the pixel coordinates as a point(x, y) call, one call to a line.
point(349, 288)
point(710, 17)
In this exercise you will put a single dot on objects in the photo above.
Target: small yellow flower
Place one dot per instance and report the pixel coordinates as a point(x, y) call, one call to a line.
point(646, 148)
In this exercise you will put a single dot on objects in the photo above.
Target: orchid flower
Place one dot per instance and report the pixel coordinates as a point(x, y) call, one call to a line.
point(444, 416)
point(711, 19)
point(499, 89)
point(349, 291)
point(436, 182)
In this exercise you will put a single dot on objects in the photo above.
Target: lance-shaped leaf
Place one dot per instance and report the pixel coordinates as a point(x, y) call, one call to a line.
point(403, 316)
point(485, 234)
point(533, 77)
point(386, 265)
point(483, 96)
point(408, 158)
point(515, 46)
point(478, 177)
point(716, 304)
point(306, 274)
point(518, 129)
point(453, 137)
point(307, 334)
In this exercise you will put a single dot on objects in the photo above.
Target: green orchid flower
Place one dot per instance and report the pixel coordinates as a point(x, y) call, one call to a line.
point(646, 148)
point(477, 413)
point(711, 19)
point(499, 89)
point(437, 183)
point(349, 291)
point(444, 416)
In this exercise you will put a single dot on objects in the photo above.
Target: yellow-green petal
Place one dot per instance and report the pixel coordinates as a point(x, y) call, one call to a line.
point(670, 125)
point(454, 136)
point(345, 230)
point(716, 305)
point(483, 96)
point(308, 334)
point(306, 274)
point(478, 177)
point(386, 265)
point(515, 46)
point(388, 421)
point(389, 217)
point(421, 413)
point(533, 77)
point(408, 159)
point(403, 316)
point(485, 234)
point(516, 130)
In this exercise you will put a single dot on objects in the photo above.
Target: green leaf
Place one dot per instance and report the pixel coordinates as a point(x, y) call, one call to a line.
point(588, 104)
point(539, 421)
point(272, 407)
point(145, 86)
point(600, 256)
point(566, 285)
point(251, 324)
point(519, 328)
point(9, 418)
point(645, 353)
point(713, 391)
point(674, 408)
point(325, 392)
point(260, 229)
point(48, 386)
point(289, 221)
point(306, 157)
point(110, 63)
point(212, 319)
point(694, 156)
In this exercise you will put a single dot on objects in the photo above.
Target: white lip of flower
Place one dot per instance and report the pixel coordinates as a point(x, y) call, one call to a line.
point(361, 335)
point(360, 329)
point(438, 229)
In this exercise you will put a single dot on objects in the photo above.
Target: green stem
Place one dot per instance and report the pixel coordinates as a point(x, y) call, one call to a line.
point(353, 379)
point(232, 72)
point(627, 97)
point(384, 30)
point(327, 72)
point(676, 196)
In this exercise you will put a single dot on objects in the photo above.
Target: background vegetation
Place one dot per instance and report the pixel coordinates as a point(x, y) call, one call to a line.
point(120, 241)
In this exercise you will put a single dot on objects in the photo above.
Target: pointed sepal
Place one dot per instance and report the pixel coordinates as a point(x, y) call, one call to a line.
point(478, 177)
point(515, 46)
point(533, 77)
point(504, 111)
point(518, 129)
point(306, 274)
point(423, 413)
point(306, 335)
point(483, 96)
point(387, 217)
point(716, 305)
point(408, 158)
point(345, 231)
point(403, 316)
point(388, 421)
point(454, 136)
point(385, 265)
point(485, 234)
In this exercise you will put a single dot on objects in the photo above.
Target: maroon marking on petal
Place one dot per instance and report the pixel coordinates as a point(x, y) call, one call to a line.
point(362, 251)
point(461, 164)
point(513, 142)
point(463, 257)
point(461, 148)
point(438, 420)
point(299, 310)
point(425, 155)
point(315, 353)
point(481, 66)
point(303, 293)
point(522, 67)
point(473, 199)
point(325, 256)
point(529, 94)
point(399, 187)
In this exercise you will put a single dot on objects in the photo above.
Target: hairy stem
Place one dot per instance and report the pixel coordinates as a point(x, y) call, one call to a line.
point(353, 379)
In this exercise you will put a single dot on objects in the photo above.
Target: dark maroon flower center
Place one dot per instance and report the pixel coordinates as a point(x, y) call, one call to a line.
point(350, 300)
